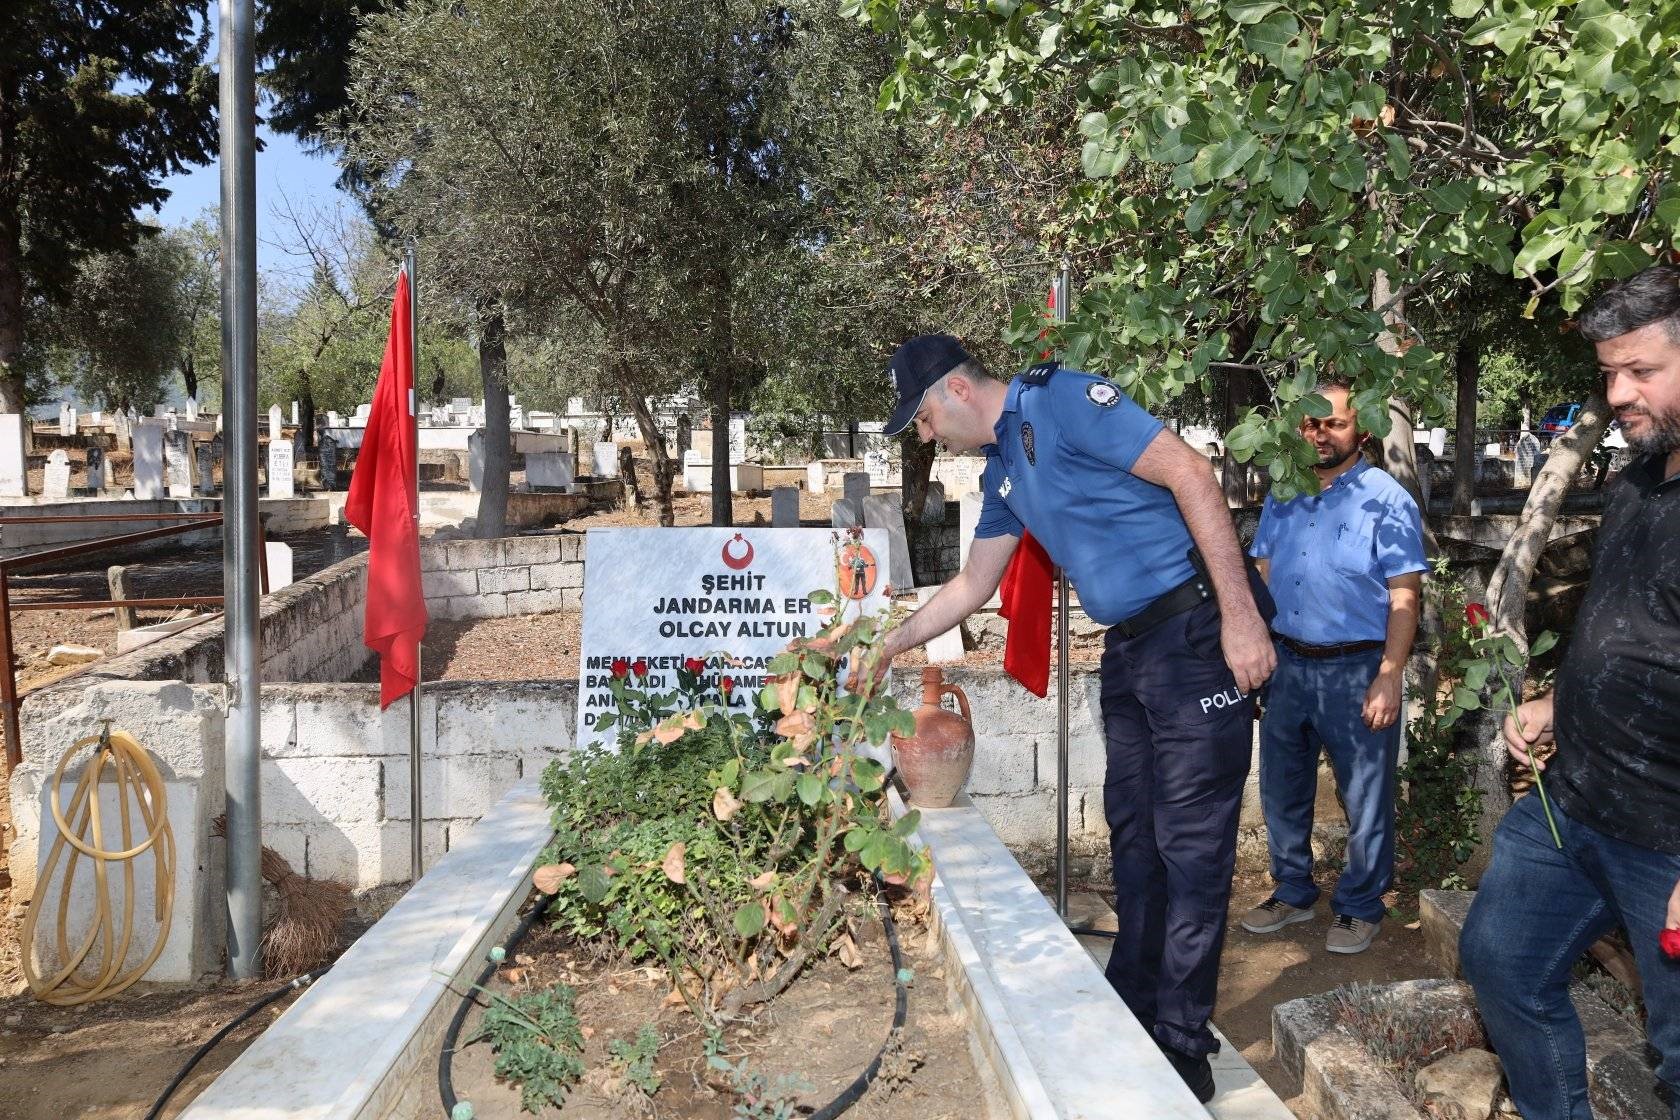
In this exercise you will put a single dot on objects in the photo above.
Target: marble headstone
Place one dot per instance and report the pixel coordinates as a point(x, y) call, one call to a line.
point(846, 513)
point(475, 460)
point(1529, 458)
point(604, 460)
point(886, 511)
point(275, 422)
point(878, 466)
point(192, 408)
point(784, 507)
point(148, 458)
point(326, 452)
point(55, 484)
point(280, 463)
point(295, 420)
point(205, 476)
point(548, 470)
point(14, 465)
point(177, 463)
point(856, 487)
point(97, 480)
point(816, 476)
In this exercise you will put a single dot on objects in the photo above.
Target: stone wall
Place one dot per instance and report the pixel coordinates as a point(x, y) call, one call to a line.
point(503, 576)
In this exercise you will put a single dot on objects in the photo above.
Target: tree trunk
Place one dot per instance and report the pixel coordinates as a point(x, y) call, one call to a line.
point(189, 376)
point(663, 470)
point(1467, 365)
point(723, 508)
point(306, 414)
point(11, 311)
point(1507, 593)
point(492, 368)
point(1399, 451)
point(1243, 390)
point(916, 467)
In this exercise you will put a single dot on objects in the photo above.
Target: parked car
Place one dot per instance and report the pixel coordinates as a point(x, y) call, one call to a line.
point(1558, 419)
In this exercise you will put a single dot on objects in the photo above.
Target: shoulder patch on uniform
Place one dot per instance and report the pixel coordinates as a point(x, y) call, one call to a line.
point(1029, 444)
point(1102, 394)
point(1039, 374)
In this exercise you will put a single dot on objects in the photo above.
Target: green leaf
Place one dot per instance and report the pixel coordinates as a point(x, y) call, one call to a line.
point(1464, 698)
point(749, 920)
point(1314, 404)
point(1622, 259)
point(1466, 9)
point(1250, 11)
point(1544, 642)
point(1272, 35)
point(594, 884)
point(1289, 182)
point(906, 824)
point(810, 788)
point(867, 774)
point(1476, 675)
point(760, 785)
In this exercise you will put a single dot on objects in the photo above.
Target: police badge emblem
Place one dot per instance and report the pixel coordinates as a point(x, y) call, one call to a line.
point(1028, 444)
point(1102, 394)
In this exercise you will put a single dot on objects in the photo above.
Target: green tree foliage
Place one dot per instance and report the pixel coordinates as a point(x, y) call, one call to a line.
point(1257, 170)
point(98, 104)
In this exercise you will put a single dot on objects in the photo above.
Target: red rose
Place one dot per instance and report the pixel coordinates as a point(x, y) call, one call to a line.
point(694, 664)
point(639, 668)
point(620, 667)
point(1669, 939)
point(727, 684)
point(1476, 615)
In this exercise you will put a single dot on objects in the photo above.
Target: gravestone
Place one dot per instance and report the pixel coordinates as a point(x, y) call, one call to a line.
point(280, 463)
point(122, 423)
point(649, 594)
point(933, 510)
point(784, 507)
point(1437, 442)
point(685, 435)
point(960, 474)
point(277, 555)
point(886, 511)
point(205, 476)
point(97, 480)
point(816, 476)
point(177, 463)
point(55, 484)
point(275, 422)
point(737, 439)
point(548, 470)
point(192, 408)
point(603, 462)
point(148, 458)
point(66, 420)
point(856, 487)
point(475, 460)
point(326, 452)
point(96, 418)
point(846, 513)
point(516, 419)
point(295, 420)
point(878, 466)
point(334, 420)
point(1529, 458)
point(363, 411)
point(475, 415)
point(14, 465)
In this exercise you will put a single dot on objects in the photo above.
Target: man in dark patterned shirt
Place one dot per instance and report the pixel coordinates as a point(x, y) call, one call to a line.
point(1615, 780)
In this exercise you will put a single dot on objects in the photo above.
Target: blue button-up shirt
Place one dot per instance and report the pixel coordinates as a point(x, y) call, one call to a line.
point(1333, 553)
point(1062, 467)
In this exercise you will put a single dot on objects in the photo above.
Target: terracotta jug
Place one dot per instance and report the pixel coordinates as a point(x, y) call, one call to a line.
point(935, 761)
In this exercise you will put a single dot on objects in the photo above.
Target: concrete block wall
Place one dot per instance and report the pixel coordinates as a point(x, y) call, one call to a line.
point(502, 576)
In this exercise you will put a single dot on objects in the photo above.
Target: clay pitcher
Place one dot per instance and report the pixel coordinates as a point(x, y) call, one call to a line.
point(935, 761)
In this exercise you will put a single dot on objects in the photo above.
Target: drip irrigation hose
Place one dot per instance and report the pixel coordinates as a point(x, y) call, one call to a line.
point(139, 786)
point(198, 1055)
point(848, 1096)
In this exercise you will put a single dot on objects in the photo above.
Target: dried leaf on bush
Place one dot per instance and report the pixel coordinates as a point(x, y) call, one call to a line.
point(724, 804)
point(548, 877)
point(673, 863)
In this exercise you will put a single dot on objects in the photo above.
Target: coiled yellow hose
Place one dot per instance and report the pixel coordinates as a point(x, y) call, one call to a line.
point(79, 978)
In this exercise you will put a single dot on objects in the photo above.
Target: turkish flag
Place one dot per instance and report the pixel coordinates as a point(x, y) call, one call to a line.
point(1025, 594)
point(383, 503)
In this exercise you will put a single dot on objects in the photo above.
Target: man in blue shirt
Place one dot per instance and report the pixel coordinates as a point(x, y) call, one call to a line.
point(1345, 569)
point(1136, 520)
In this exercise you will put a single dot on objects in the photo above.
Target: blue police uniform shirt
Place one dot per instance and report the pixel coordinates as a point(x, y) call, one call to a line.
point(1333, 553)
point(1062, 467)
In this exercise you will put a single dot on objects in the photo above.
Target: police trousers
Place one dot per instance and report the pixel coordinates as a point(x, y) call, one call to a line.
point(1179, 738)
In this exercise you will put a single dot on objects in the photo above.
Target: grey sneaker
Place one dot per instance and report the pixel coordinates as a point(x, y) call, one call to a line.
point(1350, 935)
point(1273, 914)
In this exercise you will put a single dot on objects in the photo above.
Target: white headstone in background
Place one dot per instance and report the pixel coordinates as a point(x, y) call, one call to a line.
point(295, 420)
point(334, 420)
point(14, 464)
point(280, 463)
point(737, 439)
point(603, 461)
point(659, 596)
point(475, 415)
point(148, 458)
point(122, 424)
point(64, 418)
point(192, 408)
point(1529, 458)
point(55, 483)
point(279, 559)
point(178, 463)
point(275, 421)
point(815, 476)
point(98, 476)
point(516, 418)
point(96, 418)
point(878, 465)
point(1438, 442)
point(548, 469)
point(574, 406)
point(960, 474)
point(475, 460)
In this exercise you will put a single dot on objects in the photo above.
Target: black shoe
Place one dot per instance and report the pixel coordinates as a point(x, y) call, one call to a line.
point(1197, 1072)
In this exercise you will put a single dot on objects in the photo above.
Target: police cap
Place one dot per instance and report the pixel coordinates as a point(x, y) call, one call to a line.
point(916, 367)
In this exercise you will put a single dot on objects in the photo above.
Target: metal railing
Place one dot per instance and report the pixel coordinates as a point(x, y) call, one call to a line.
point(189, 522)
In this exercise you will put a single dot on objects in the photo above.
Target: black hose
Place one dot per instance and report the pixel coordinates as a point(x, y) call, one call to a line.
point(198, 1055)
point(848, 1096)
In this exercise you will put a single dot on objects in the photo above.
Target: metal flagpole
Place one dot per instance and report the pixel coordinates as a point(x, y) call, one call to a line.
point(1060, 294)
point(416, 823)
point(241, 729)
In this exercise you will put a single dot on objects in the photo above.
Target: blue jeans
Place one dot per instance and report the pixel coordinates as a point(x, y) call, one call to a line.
point(1537, 910)
point(1315, 702)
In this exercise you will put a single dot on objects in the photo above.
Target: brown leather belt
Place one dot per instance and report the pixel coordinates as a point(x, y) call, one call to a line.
point(1342, 650)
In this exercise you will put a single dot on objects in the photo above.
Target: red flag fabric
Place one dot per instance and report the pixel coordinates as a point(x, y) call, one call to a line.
point(1026, 598)
point(383, 499)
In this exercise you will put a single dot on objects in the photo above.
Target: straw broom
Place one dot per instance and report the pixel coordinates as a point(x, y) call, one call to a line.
point(303, 933)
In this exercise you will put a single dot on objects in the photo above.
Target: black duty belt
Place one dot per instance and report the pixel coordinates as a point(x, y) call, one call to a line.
point(1191, 593)
point(1307, 650)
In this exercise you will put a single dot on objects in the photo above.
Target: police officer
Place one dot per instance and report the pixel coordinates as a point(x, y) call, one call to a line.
point(1135, 519)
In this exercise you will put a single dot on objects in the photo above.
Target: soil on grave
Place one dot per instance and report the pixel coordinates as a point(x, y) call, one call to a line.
point(824, 1030)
